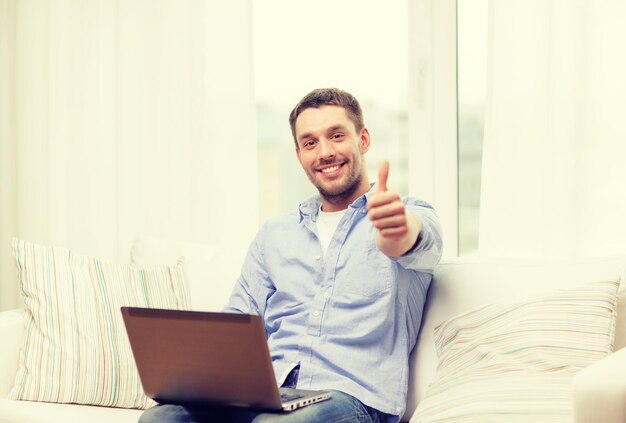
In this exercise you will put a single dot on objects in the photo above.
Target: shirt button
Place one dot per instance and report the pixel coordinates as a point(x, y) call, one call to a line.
point(326, 294)
point(316, 313)
point(317, 258)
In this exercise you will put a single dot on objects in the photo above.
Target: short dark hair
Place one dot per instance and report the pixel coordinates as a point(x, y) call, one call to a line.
point(328, 97)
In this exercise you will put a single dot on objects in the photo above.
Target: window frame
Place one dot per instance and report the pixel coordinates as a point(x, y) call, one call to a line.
point(433, 112)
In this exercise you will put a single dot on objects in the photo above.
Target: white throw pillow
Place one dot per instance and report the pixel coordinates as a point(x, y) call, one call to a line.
point(75, 346)
point(515, 362)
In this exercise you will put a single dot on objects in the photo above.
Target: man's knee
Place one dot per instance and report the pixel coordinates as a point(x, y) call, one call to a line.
point(339, 408)
point(165, 413)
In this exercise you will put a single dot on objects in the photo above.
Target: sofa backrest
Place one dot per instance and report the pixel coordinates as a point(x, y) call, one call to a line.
point(12, 336)
point(211, 271)
point(461, 284)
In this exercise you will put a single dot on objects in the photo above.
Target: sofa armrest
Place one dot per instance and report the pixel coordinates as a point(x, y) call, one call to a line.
point(600, 390)
point(11, 334)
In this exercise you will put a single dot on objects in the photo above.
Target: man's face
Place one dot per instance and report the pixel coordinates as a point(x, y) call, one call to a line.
point(331, 151)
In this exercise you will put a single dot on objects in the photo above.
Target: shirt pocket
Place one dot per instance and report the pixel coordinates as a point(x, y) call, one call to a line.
point(367, 273)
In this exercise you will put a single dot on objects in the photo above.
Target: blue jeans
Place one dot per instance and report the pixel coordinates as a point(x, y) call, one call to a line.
point(339, 408)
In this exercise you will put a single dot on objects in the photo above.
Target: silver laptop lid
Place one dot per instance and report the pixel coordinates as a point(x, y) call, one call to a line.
point(191, 357)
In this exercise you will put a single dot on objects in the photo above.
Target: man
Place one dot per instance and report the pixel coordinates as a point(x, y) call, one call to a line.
point(341, 284)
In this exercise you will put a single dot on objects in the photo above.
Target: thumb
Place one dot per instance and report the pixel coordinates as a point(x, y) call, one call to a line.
point(383, 174)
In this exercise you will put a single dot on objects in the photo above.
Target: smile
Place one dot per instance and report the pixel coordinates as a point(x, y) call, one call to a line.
point(330, 169)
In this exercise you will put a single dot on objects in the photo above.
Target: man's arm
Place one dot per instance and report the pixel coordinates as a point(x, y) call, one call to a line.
point(254, 286)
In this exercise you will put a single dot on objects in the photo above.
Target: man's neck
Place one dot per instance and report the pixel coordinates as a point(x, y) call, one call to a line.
point(341, 202)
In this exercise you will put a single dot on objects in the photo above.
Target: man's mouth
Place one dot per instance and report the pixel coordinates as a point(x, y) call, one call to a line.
point(330, 169)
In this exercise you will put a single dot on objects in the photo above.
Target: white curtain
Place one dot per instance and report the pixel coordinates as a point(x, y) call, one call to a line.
point(124, 118)
point(554, 179)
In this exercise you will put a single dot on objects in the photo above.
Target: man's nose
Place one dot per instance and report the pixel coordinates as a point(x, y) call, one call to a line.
point(327, 149)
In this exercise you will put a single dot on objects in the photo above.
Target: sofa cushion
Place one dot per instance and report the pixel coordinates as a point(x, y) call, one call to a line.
point(12, 411)
point(75, 348)
point(516, 361)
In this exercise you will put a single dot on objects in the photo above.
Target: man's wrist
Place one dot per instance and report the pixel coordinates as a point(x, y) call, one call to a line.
point(415, 244)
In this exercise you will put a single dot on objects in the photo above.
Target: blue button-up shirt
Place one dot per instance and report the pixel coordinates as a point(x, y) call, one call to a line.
point(351, 318)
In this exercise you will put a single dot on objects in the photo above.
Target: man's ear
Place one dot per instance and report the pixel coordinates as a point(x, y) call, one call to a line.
point(364, 142)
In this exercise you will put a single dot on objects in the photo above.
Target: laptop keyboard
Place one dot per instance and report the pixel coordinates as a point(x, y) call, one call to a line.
point(289, 397)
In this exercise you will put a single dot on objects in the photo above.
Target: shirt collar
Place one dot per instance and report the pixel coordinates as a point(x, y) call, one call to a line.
point(311, 207)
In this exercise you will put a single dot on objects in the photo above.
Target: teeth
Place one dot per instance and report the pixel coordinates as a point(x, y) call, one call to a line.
point(330, 169)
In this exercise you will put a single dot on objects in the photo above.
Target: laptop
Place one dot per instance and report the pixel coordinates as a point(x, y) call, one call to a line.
point(193, 357)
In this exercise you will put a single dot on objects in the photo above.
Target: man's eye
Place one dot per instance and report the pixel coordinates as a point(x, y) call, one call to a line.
point(337, 136)
point(309, 143)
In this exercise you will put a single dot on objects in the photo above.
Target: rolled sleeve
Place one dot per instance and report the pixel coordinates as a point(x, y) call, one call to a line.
point(254, 287)
point(424, 256)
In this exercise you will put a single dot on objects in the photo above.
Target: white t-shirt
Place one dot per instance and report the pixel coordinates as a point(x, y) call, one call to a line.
point(326, 224)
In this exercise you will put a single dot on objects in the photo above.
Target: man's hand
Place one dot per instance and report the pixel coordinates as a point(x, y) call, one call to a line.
point(397, 229)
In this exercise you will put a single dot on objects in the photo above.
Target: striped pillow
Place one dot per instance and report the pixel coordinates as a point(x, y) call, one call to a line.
point(515, 362)
point(75, 345)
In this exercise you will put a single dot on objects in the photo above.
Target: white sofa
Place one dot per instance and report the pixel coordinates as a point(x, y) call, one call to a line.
point(598, 392)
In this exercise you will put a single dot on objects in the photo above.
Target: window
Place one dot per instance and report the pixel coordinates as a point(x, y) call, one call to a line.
point(360, 47)
point(429, 125)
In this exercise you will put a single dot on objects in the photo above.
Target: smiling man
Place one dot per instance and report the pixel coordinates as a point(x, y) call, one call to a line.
point(341, 283)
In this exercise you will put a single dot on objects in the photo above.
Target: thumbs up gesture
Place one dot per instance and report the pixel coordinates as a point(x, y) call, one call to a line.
point(397, 229)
